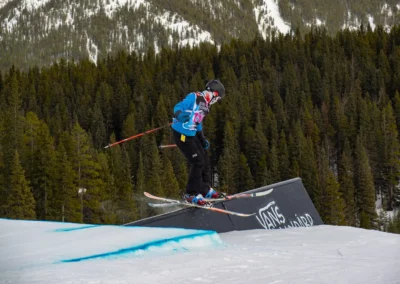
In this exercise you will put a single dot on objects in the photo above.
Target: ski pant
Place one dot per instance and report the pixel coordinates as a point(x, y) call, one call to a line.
point(192, 149)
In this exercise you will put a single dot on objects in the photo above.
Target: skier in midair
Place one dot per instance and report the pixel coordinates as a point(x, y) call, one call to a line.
point(188, 134)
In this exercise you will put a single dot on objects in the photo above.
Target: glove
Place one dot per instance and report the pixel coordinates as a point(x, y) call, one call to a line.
point(182, 116)
point(206, 144)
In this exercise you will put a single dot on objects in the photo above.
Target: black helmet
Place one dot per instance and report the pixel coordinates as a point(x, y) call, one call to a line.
point(216, 86)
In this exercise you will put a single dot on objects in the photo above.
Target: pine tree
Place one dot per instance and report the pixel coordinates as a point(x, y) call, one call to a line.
point(346, 179)
point(310, 127)
point(104, 96)
point(3, 189)
point(168, 180)
point(397, 109)
point(182, 176)
point(108, 207)
point(365, 191)
point(153, 184)
point(259, 152)
point(39, 155)
point(273, 165)
point(87, 173)
point(20, 203)
point(161, 118)
point(140, 187)
point(12, 123)
point(283, 156)
point(391, 157)
point(97, 127)
point(245, 181)
point(228, 163)
point(129, 129)
point(120, 103)
point(123, 196)
point(126, 203)
point(302, 152)
point(331, 203)
point(64, 202)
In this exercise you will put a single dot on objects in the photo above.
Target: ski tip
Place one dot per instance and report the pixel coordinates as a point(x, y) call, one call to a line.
point(247, 215)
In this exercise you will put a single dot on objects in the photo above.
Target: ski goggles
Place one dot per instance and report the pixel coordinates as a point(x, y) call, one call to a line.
point(215, 98)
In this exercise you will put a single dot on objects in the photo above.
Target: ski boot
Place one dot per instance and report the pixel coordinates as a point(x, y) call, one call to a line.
point(212, 194)
point(196, 199)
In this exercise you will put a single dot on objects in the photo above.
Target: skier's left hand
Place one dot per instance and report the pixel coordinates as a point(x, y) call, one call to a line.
point(206, 144)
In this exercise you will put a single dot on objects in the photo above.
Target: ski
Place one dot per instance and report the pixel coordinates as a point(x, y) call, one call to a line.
point(230, 197)
point(162, 205)
point(240, 195)
point(178, 202)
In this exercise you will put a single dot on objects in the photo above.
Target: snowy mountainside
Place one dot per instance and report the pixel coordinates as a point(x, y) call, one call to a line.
point(53, 252)
point(39, 32)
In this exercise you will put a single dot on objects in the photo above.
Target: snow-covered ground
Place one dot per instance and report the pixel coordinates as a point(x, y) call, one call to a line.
point(51, 252)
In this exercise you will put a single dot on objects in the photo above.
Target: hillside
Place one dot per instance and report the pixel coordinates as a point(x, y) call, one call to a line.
point(41, 32)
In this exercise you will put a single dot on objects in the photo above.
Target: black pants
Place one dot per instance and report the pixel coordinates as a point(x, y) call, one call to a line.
point(199, 177)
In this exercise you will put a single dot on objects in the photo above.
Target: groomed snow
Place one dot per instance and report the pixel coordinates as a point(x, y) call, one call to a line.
point(50, 252)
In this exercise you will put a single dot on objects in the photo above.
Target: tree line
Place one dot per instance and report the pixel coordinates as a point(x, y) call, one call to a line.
point(324, 108)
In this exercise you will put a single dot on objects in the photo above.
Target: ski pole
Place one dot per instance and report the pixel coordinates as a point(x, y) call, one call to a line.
point(137, 135)
point(167, 146)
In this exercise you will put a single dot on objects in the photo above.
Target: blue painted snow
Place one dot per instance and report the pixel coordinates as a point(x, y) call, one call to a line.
point(75, 228)
point(143, 247)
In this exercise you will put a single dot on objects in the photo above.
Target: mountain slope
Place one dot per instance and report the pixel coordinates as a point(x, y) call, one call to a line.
point(38, 32)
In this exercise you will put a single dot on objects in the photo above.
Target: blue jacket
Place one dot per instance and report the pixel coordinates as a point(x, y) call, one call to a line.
point(196, 105)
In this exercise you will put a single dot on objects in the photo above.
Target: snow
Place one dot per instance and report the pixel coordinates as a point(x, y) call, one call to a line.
point(381, 211)
point(175, 23)
point(386, 10)
point(265, 12)
point(3, 3)
point(168, 20)
point(351, 24)
point(319, 22)
point(111, 6)
point(33, 4)
point(51, 252)
point(92, 49)
point(371, 22)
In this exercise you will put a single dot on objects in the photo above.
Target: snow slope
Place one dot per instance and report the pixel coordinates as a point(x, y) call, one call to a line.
point(50, 252)
point(267, 15)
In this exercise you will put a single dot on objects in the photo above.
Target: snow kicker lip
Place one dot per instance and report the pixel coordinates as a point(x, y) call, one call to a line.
point(210, 237)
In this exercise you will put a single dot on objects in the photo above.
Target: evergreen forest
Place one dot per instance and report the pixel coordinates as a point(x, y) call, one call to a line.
point(322, 107)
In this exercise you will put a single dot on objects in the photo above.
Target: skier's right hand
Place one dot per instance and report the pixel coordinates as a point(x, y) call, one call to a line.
point(182, 116)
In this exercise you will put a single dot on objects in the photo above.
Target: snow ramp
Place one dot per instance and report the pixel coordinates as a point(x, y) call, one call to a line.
point(27, 245)
point(289, 205)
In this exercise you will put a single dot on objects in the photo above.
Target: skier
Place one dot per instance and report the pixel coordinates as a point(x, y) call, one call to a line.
point(189, 137)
